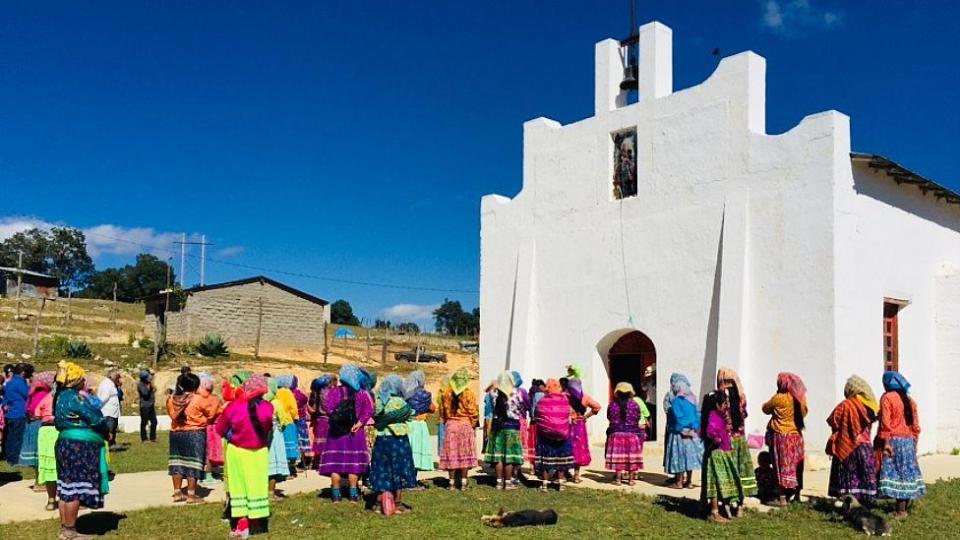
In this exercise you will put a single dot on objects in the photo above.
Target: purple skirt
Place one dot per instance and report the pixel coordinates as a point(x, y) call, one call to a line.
point(346, 454)
point(321, 427)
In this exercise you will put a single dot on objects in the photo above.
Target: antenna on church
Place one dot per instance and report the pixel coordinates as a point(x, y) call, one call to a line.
point(630, 69)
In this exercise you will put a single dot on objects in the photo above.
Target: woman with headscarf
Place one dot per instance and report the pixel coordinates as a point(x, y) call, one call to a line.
point(291, 413)
point(524, 423)
point(420, 400)
point(900, 476)
point(624, 448)
point(189, 416)
point(683, 451)
point(81, 448)
point(303, 425)
point(535, 394)
point(246, 424)
point(582, 407)
point(147, 395)
point(367, 383)
point(728, 382)
point(441, 429)
point(853, 473)
point(40, 388)
point(210, 401)
point(46, 437)
point(350, 408)
point(319, 421)
point(391, 464)
point(721, 478)
point(787, 409)
point(504, 450)
point(554, 447)
point(278, 468)
point(460, 417)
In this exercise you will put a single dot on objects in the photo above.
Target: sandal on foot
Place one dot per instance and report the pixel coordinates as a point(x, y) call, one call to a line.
point(543, 488)
point(51, 505)
point(717, 519)
point(193, 499)
point(179, 498)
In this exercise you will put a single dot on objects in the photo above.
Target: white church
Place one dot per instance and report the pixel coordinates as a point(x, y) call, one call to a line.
point(674, 234)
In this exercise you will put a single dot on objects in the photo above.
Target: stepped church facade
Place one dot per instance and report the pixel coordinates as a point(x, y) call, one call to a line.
point(674, 234)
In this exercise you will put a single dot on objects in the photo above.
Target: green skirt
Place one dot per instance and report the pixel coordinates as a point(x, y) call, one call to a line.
point(248, 483)
point(47, 455)
point(505, 447)
point(721, 480)
point(744, 461)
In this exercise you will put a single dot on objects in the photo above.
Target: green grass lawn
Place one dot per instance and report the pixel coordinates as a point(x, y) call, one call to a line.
point(128, 456)
point(588, 514)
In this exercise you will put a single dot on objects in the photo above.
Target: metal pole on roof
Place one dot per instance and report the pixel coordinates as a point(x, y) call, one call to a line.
point(203, 256)
point(183, 258)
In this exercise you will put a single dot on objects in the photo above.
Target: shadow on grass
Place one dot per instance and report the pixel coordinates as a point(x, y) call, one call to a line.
point(99, 523)
point(687, 507)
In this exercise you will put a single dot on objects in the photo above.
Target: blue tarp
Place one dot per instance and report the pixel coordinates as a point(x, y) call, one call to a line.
point(344, 333)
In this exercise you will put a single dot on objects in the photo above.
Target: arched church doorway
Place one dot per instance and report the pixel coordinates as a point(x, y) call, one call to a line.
point(633, 359)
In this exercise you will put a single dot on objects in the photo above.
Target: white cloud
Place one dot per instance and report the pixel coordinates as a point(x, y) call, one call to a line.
point(788, 17)
point(409, 312)
point(231, 251)
point(112, 239)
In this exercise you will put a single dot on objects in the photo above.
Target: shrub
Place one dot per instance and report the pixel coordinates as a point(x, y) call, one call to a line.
point(212, 345)
point(78, 349)
point(55, 346)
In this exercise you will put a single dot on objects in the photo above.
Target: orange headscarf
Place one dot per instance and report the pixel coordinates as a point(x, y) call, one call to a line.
point(553, 387)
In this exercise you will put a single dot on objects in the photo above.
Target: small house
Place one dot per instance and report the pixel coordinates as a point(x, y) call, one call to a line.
point(32, 284)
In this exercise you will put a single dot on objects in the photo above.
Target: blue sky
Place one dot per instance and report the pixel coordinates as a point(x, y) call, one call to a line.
point(354, 139)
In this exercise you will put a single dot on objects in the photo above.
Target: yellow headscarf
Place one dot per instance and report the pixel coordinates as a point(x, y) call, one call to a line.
point(69, 374)
point(505, 383)
point(460, 380)
point(860, 388)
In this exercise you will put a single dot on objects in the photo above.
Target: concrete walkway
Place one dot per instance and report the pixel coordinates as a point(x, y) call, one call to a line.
point(138, 491)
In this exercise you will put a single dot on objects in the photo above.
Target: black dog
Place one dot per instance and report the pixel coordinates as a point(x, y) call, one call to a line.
point(520, 519)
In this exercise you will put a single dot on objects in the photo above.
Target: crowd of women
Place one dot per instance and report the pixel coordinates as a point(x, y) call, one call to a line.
point(263, 429)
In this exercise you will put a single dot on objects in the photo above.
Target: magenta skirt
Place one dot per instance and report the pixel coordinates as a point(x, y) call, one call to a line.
point(624, 452)
point(581, 444)
point(321, 426)
point(214, 446)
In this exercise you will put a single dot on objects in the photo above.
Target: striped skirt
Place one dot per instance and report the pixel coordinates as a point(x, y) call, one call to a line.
point(303, 437)
point(346, 454)
point(277, 467)
point(744, 463)
point(787, 452)
point(624, 452)
point(291, 442)
point(504, 446)
point(459, 446)
point(247, 483)
point(721, 477)
point(28, 449)
point(682, 454)
point(188, 453)
point(321, 427)
point(47, 454)
point(855, 476)
point(214, 446)
point(79, 470)
point(900, 476)
point(420, 445)
point(553, 456)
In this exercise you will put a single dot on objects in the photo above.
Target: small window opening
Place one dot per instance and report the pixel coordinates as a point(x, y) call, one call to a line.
point(625, 164)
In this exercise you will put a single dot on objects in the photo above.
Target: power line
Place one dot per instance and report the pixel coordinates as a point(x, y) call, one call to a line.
point(267, 270)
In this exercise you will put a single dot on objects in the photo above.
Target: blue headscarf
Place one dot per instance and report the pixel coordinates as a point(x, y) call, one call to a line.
point(517, 379)
point(369, 380)
point(321, 382)
point(679, 387)
point(352, 376)
point(285, 381)
point(415, 381)
point(893, 381)
point(392, 386)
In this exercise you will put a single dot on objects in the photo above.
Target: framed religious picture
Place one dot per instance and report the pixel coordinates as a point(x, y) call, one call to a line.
point(625, 163)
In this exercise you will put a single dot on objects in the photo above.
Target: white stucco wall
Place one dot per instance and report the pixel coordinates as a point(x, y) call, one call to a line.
point(895, 242)
point(565, 268)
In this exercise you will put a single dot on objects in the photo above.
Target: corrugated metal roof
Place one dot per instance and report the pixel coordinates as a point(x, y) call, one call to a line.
point(903, 175)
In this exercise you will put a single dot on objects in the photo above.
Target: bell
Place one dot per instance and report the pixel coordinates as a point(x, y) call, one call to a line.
point(629, 79)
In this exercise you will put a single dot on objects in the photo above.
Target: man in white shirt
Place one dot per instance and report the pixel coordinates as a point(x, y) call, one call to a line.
point(110, 402)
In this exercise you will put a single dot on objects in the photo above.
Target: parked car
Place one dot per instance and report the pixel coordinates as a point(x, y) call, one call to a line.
point(411, 356)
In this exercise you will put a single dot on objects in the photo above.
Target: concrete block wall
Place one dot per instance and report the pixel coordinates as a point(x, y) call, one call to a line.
point(232, 312)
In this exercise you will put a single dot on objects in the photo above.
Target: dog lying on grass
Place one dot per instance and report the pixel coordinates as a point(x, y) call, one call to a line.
point(521, 518)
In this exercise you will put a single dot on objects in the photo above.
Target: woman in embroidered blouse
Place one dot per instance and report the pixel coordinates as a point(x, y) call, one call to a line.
point(460, 416)
point(391, 465)
point(504, 448)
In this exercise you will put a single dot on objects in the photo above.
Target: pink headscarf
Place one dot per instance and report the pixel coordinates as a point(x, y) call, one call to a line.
point(255, 386)
point(792, 384)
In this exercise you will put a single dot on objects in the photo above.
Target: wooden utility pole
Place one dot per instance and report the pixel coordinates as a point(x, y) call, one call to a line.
point(114, 303)
point(19, 281)
point(69, 306)
point(366, 356)
point(326, 346)
point(383, 353)
point(36, 327)
point(256, 346)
